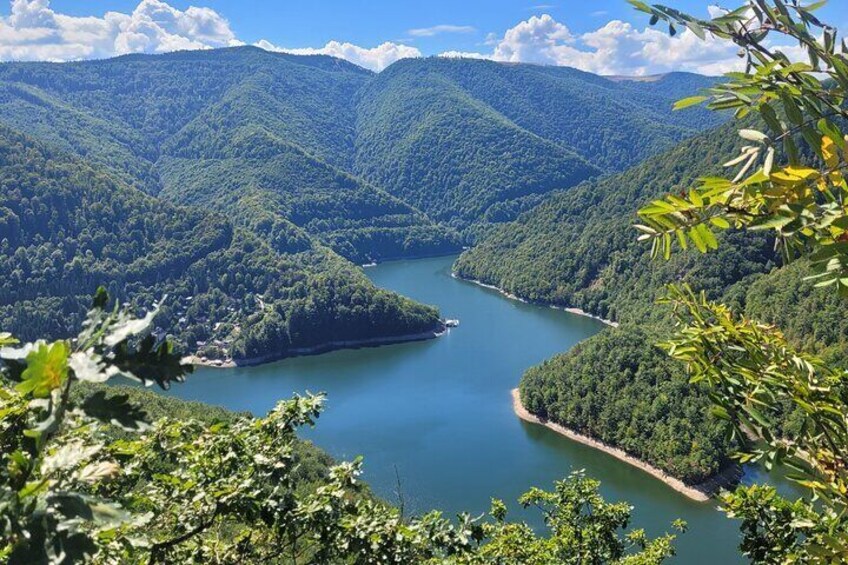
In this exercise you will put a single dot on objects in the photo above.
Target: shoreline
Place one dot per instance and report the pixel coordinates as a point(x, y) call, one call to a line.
point(702, 492)
point(317, 349)
point(577, 311)
point(394, 258)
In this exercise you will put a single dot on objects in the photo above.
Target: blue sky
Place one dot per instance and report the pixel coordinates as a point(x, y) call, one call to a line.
point(600, 35)
point(315, 22)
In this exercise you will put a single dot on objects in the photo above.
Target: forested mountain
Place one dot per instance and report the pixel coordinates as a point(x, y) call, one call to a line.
point(579, 249)
point(300, 155)
point(67, 227)
point(458, 142)
point(470, 141)
point(259, 126)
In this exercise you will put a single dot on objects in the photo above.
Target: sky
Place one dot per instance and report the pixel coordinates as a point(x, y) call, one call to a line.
point(602, 36)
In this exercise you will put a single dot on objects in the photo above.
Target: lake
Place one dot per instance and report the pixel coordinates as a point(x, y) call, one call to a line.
point(435, 417)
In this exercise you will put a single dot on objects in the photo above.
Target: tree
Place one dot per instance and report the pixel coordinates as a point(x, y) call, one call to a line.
point(790, 180)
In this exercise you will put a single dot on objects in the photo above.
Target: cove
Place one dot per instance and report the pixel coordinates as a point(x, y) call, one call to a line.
point(436, 417)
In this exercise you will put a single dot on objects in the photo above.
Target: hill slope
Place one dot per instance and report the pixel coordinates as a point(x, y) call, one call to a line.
point(477, 141)
point(579, 249)
point(468, 144)
point(66, 227)
point(257, 164)
point(153, 120)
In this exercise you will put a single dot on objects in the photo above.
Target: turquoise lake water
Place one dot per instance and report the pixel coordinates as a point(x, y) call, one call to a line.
point(438, 414)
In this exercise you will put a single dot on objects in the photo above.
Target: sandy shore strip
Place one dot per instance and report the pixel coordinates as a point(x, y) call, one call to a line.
point(315, 350)
point(578, 311)
point(700, 492)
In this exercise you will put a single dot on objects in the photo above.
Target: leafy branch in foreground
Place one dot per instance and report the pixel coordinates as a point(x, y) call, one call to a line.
point(51, 456)
point(802, 105)
point(791, 181)
point(753, 375)
point(86, 476)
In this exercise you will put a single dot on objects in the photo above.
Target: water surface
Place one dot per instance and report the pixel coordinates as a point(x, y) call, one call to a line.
point(436, 416)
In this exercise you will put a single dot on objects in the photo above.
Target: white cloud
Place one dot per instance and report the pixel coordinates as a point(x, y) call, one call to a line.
point(34, 31)
point(376, 58)
point(617, 48)
point(463, 55)
point(440, 29)
point(532, 41)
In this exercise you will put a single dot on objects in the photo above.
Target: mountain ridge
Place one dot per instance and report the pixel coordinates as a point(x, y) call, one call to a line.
point(306, 160)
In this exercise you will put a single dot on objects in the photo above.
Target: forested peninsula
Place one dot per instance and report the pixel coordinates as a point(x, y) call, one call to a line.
point(578, 250)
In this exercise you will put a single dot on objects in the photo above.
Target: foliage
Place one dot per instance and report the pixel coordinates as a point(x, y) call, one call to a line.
point(800, 202)
point(752, 373)
point(751, 370)
point(48, 454)
point(228, 490)
point(583, 529)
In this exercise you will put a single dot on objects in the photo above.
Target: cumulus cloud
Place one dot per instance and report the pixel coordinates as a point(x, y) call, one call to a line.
point(375, 58)
point(34, 31)
point(617, 48)
point(533, 41)
point(440, 29)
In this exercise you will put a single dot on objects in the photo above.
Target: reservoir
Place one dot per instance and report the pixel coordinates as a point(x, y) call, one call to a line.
point(434, 419)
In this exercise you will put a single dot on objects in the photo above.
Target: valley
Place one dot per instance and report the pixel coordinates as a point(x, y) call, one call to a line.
point(304, 161)
point(388, 307)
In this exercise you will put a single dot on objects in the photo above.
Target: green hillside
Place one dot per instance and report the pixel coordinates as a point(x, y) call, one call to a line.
point(465, 144)
point(67, 227)
point(579, 249)
point(256, 165)
point(615, 388)
point(427, 141)
point(479, 142)
point(189, 126)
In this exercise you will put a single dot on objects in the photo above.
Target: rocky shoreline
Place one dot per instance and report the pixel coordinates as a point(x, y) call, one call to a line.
point(701, 492)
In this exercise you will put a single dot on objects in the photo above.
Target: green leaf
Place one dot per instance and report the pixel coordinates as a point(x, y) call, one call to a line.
point(7, 339)
point(698, 240)
point(47, 369)
point(720, 222)
point(641, 6)
point(150, 362)
point(752, 135)
point(697, 30)
point(101, 299)
point(689, 102)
